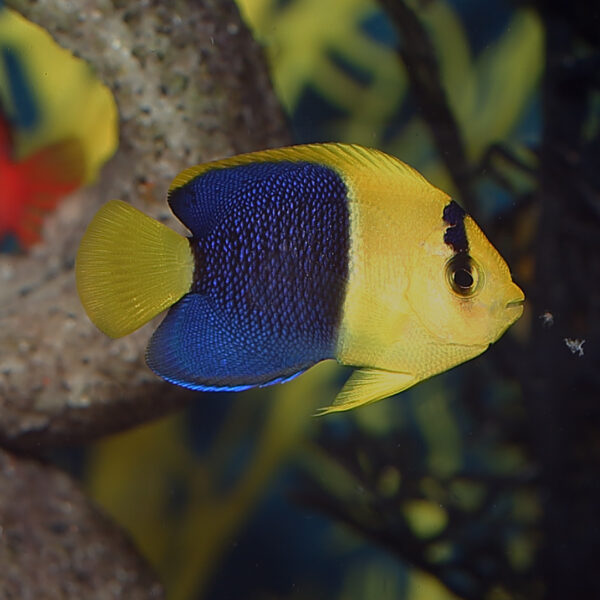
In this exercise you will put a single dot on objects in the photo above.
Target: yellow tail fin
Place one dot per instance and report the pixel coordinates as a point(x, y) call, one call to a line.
point(129, 268)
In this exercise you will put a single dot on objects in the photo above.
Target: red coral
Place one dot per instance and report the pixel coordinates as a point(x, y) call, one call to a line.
point(31, 188)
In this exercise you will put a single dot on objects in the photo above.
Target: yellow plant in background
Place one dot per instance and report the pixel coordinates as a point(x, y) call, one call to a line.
point(301, 39)
point(376, 581)
point(72, 102)
point(133, 476)
point(487, 93)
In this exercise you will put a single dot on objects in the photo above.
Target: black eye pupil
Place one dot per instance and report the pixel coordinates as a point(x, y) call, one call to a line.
point(463, 278)
point(463, 275)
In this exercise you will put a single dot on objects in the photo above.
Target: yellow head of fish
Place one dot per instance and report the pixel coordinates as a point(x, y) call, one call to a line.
point(427, 290)
point(464, 298)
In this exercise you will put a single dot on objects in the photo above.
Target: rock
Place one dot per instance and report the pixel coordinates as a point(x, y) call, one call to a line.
point(55, 545)
point(191, 85)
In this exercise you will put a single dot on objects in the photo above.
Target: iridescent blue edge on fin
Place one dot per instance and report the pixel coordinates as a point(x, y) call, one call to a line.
point(237, 388)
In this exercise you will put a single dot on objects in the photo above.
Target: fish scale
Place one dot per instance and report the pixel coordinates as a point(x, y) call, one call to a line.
point(275, 274)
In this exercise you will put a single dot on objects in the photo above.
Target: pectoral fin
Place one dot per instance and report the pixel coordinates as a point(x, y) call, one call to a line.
point(369, 385)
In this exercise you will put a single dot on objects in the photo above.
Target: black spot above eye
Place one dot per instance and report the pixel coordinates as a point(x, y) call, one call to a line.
point(463, 278)
point(455, 235)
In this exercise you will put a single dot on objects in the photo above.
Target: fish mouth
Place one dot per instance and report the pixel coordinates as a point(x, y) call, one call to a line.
point(515, 303)
point(518, 298)
point(514, 307)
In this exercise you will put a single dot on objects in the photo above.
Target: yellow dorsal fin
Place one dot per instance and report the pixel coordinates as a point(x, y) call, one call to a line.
point(337, 156)
point(369, 385)
point(129, 268)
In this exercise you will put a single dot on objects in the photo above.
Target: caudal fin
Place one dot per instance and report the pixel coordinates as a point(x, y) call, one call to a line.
point(129, 268)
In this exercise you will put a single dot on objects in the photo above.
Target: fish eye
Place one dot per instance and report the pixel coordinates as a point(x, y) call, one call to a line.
point(463, 275)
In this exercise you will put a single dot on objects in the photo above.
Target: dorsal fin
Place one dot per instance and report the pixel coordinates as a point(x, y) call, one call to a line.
point(330, 154)
point(201, 194)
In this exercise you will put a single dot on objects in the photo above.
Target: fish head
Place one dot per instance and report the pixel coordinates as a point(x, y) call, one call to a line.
point(464, 298)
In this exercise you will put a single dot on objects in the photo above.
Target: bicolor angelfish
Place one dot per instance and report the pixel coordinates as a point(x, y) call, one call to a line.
point(298, 255)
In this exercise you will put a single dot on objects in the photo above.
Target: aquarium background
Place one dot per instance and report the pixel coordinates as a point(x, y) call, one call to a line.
point(482, 483)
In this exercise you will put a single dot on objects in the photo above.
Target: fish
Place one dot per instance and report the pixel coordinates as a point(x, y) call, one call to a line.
point(31, 187)
point(298, 255)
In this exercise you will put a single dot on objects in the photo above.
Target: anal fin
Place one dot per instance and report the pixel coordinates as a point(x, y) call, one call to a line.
point(369, 385)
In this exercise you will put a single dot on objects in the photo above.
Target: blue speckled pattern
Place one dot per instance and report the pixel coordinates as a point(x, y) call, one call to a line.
point(271, 242)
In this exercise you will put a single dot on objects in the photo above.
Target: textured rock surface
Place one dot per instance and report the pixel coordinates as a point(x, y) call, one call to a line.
point(191, 85)
point(54, 545)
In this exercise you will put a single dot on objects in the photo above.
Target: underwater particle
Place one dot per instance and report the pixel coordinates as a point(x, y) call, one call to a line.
point(547, 318)
point(298, 255)
point(575, 345)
